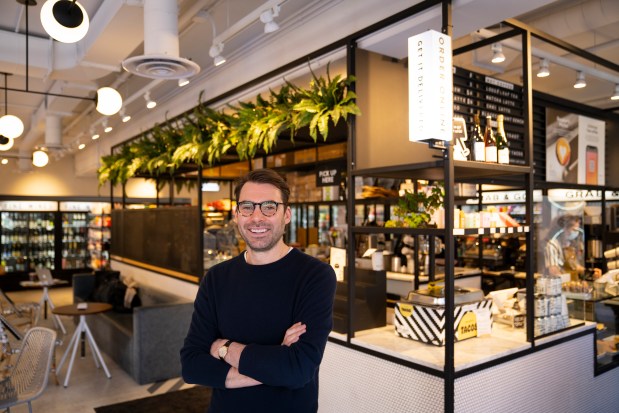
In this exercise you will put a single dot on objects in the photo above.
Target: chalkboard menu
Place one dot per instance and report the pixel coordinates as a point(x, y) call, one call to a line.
point(474, 92)
point(163, 237)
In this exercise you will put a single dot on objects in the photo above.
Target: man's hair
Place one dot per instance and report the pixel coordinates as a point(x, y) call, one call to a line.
point(264, 176)
point(565, 221)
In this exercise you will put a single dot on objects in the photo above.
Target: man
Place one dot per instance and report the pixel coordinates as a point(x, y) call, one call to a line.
point(564, 252)
point(261, 320)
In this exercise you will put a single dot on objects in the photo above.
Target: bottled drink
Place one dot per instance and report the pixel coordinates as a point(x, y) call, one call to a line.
point(490, 141)
point(478, 146)
point(501, 142)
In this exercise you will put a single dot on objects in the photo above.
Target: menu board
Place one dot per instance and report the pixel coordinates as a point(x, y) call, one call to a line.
point(477, 93)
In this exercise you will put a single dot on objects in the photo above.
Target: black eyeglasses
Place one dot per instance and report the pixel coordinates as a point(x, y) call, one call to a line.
point(268, 208)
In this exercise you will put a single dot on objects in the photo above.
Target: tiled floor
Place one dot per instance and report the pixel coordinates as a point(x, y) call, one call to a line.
point(88, 386)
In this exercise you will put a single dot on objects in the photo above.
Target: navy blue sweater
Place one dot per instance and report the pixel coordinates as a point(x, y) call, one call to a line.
point(255, 305)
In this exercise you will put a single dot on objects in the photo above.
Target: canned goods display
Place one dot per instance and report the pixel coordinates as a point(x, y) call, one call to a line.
point(541, 305)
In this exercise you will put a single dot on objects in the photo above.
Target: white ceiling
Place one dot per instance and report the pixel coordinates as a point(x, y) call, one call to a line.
point(117, 32)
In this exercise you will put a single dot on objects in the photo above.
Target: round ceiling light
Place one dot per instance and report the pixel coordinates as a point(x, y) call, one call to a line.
point(11, 126)
point(109, 101)
point(40, 158)
point(64, 20)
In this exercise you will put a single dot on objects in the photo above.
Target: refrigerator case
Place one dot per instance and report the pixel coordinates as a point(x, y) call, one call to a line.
point(75, 253)
point(27, 241)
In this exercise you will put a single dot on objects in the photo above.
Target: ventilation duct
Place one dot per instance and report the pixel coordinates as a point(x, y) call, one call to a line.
point(53, 132)
point(161, 51)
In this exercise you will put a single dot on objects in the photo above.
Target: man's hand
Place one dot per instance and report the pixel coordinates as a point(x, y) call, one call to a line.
point(293, 333)
point(215, 347)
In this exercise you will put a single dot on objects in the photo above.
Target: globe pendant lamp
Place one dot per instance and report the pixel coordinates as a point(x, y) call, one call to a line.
point(40, 158)
point(5, 143)
point(109, 101)
point(10, 126)
point(64, 20)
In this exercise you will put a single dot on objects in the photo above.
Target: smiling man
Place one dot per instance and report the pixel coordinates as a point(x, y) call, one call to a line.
point(261, 319)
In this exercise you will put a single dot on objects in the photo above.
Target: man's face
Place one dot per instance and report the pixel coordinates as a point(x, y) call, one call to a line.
point(262, 233)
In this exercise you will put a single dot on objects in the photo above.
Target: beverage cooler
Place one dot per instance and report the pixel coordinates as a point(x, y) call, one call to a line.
point(48, 234)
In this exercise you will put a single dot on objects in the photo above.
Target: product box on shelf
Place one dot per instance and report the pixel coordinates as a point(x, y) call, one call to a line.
point(426, 323)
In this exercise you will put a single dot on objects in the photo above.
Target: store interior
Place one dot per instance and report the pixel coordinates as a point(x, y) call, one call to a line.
point(479, 260)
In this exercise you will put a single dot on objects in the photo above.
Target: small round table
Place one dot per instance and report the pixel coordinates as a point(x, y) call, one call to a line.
point(82, 328)
point(46, 300)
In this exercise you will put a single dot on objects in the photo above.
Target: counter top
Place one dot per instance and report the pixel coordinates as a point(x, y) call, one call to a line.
point(459, 272)
point(503, 341)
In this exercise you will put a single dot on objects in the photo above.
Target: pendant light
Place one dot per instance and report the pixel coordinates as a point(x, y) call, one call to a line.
point(109, 101)
point(10, 126)
point(40, 158)
point(64, 20)
point(5, 143)
point(497, 53)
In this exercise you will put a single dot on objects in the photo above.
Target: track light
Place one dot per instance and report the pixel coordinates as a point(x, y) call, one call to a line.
point(580, 80)
point(4, 161)
point(267, 16)
point(123, 116)
point(81, 146)
point(93, 134)
point(109, 101)
point(615, 95)
point(106, 128)
point(543, 68)
point(183, 82)
point(40, 158)
point(215, 53)
point(497, 53)
point(149, 102)
point(64, 20)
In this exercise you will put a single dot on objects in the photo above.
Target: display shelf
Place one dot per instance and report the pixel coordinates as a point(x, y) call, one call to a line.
point(434, 171)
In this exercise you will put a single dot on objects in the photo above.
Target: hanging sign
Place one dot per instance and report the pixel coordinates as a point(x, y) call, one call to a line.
point(328, 176)
point(430, 87)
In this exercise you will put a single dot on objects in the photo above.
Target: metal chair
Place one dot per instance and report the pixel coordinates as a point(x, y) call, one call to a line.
point(28, 378)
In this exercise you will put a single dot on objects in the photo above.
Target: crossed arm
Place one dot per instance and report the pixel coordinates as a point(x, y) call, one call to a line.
point(234, 379)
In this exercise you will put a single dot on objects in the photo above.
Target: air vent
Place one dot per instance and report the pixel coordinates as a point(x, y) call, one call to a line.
point(161, 67)
point(161, 52)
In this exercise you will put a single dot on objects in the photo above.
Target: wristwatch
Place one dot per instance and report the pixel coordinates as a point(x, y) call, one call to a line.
point(223, 350)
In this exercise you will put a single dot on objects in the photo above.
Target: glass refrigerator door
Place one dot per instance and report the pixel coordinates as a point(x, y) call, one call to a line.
point(41, 234)
point(75, 240)
point(14, 241)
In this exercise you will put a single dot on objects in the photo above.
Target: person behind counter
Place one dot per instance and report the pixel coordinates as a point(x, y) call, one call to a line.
point(564, 251)
point(261, 319)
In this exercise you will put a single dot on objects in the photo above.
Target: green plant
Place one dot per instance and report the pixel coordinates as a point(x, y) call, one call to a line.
point(205, 135)
point(414, 210)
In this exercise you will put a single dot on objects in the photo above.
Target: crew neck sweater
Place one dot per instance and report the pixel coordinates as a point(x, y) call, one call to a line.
point(255, 305)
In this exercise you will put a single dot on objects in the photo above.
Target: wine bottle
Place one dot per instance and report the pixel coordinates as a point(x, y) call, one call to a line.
point(478, 146)
point(501, 142)
point(490, 141)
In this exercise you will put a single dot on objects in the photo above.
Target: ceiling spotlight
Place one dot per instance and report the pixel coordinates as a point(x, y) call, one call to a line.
point(106, 128)
point(109, 101)
point(543, 68)
point(5, 143)
point(615, 95)
point(93, 134)
point(4, 161)
point(123, 116)
point(149, 102)
point(183, 82)
point(580, 80)
point(267, 16)
point(40, 158)
point(215, 53)
point(497, 53)
point(64, 20)
point(81, 146)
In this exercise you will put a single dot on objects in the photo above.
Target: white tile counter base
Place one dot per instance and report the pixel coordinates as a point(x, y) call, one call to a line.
point(555, 379)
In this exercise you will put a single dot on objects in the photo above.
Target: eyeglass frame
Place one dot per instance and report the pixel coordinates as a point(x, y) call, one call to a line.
point(253, 204)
